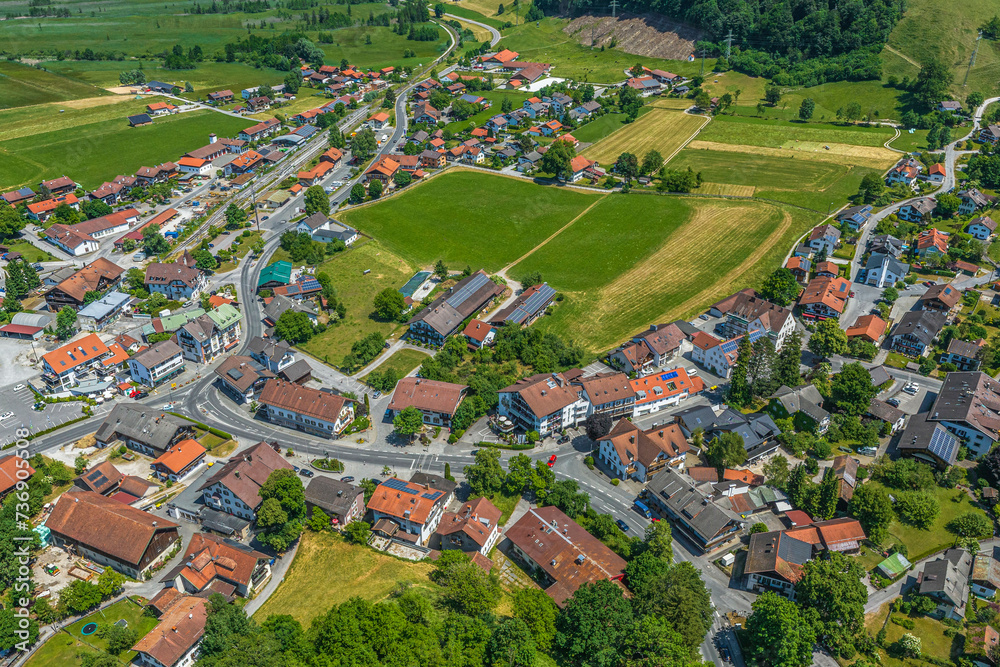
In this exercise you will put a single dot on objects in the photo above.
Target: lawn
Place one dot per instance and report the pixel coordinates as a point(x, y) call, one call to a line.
point(386, 48)
point(658, 267)
point(63, 648)
point(327, 571)
point(357, 291)
point(29, 251)
point(450, 216)
point(660, 129)
point(479, 119)
point(403, 361)
point(97, 151)
point(793, 179)
point(21, 85)
point(933, 642)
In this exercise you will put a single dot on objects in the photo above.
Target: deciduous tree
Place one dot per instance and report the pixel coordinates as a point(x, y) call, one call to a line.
point(778, 633)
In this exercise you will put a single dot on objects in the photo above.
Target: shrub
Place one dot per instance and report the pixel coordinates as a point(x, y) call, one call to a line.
point(615, 482)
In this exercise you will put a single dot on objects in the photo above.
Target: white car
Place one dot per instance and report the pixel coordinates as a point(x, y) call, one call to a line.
point(5, 416)
point(911, 388)
point(18, 387)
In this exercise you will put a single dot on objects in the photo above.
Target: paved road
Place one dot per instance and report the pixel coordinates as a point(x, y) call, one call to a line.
point(494, 33)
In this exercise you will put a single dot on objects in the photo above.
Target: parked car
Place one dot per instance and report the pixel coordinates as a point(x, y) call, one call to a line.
point(911, 388)
point(624, 526)
point(295, 468)
point(18, 387)
point(703, 316)
point(306, 472)
point(563, 440)
point(5, 416)
point(894, 402)
point(348, 478)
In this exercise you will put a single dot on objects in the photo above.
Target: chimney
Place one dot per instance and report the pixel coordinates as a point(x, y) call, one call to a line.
point(212, 138)
point(154, 524)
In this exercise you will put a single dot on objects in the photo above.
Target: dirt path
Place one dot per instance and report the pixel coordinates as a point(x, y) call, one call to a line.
point(503, 271)
point(903, 56)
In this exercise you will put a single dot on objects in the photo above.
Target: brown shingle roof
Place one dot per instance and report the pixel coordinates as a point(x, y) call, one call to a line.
point(246, 472)
point(429, 395)
point(302, 400)
point(164, 274)
point(100, 479)
point(477, 519)
point(545, 393)
point(208, 557)
point(409, 500)
point(89, 278)
point(9, 467)
point(179, 629)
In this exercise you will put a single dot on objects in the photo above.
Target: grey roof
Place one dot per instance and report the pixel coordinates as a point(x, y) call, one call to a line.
point(679, 494)
point(700, 416)
point(924, 325)
point(929, 439)
point(460, 301)
point(268, 348)
point(104, 306)
point(314, 221)
point(894, 266)
point(886, 243)
point(972, 398)
point(200, 328)
point(754, 428)
point(963, 348)
point(222, 522)
point(141, 423)
point(336, 231)
point(157, 354)
point(436, 482)
point(804, 398)
point(533, 156)
point(35, 319)
point(879, 375)
point(948, 577)
point(884, 411)
point(296, 371)
point(331, 495)
point(280, 304)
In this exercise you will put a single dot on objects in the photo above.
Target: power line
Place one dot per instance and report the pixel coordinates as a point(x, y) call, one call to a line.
point(972, 60)
point(614, 9)
point(729, 43)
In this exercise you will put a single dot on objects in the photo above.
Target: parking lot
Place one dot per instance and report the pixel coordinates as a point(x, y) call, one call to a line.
point(19, 403)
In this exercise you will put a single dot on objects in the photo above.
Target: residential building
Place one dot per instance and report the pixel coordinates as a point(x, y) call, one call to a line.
point(436, 401)
point(973, 200)
point(42, 210)
point(855, 216)
point(968, 405)
point(882, 270)
point(907, 172)
point(750, 312)
point(407, 510)
point(312, 411)
point(845, 468)
point(279, 304)
point(800, 267)
point(886, 244)
point(929, 441)
point(629, 451)
point(985, 581)
point(869, 328)
point(100, 275)
point(212, 563)
point(179, 461)
point(828, 269)
point(803, 404)
point(758, 430)
point(545, 403)
point(915, 332)
point(719, 356)
point(946, 581)
point(58, 186)
point(884, 412)
point(474, 528)
point(479, 334)
point(936, 174)
point(990, 134)
point(110, 533)
point(78, 360)
point(98, 314)
point(918, 210)
point(209, 335)
point(941, 297)
point(932, 242)
point(444, 316)
point(260, 130)
point(145, 429)
point(607, 393)
point(824, 239)
point(159, 363)
point(707, 524)
point(775, 562)
point(949, 106)
point(341, 501)
point(963, 354)
point(242, 378)
point(663, 390)
point(176, 281)
point(274, 355)
point(651, 349)
point(175, 640)
point(824, 297)
point(13, 469)
point(579, 167)
point(275, 275)
point(559, 549)
point(326, 230)
point(527, 307)
point(235, 487)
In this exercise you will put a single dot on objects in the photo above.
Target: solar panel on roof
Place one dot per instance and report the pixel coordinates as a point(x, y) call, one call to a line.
point(669, 376)
point(310, 284)
point(233, 373)
point(399, 485)
point(943, 444)
point(470, 288)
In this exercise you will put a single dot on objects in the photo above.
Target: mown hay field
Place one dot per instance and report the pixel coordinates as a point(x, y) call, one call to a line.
point(661, 129)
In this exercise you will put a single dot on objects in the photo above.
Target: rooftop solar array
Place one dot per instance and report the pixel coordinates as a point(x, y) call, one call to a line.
point(458, 298)
point(399, 485)
point(943, 444)
point(669, 376)
point(309, 284)
point(532, 304)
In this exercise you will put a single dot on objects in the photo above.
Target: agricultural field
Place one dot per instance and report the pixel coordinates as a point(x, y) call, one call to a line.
point(310, 588)
point(206, 78)
point(386, 48)
point(357, 291)
point(22, 86)
point(795, 136)
point(95, 144)
point(597, 129)
point(459, 210)
point(661, 129)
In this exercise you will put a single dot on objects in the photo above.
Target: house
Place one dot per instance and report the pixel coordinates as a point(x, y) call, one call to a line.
point(607, 393)
point(929, 441)
point(179, 461)
point(235, 487)
point(932, 242)
point(258, 104)
point(341, 501)
point(242, 378)
point(384, 168)
point(260, 130)
point(479, 334)
point(279, 304)
point(545, 403)
point(273, 355)
point(884, 412)
point(432, 159)
point(758, 430)
point(107, 193)
point(936, 174)
point(145, 429)
point(968, 405)
point(445, 315)
point(564, 554)
point(100, 275)
point(691, 510)
point(107, 480)
point(803, 404)
point(527, 307)
point(775, 562)
point(950, 106)
point(982, 227)
point(426, 114)
point(160, 108)
point(139, 119)
point(308, 410)
point(845, 468)
point(990, 134)
point(644, 85)
point(905, 172)
point(245, 163)
point(57, 186)
point(663, 390)
point(209, 335)
point(868, 328)
point(585, 110)
point(15, 197)
point(83, 237)
point(800, 267)
point(653, 348)
point(326, 230)
point(174, 641)
point(221, 97)
point(882, 270)
point(407, 510)
point(629, 451)
point(436, 401)
point(717, 355)
point(946, 581)
point(824, 239)
point(802, 250)
point(973, 200)
point(98, 314)
point(918, 210)
point(155, 365)
point(985, 580)
point(274, 275)
point(855, 216)
point(963, 267)
point(111, 533)
point(68, 365)
point(916, 330)
point(750, 312)
point(824, 297)
point(942, 297)
point(13, 469)
point(963, 354)
point(474, 528)
point(827, 269)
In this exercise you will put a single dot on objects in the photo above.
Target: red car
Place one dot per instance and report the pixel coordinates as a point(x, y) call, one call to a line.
point(552, 459)
point(929, 283)
point(852, 295)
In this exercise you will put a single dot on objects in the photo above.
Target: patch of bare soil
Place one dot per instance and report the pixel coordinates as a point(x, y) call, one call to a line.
point(651, 35)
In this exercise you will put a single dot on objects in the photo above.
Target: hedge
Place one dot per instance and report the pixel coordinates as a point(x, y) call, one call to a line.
point(504, 445)
point(201, 425)
point(32, 436)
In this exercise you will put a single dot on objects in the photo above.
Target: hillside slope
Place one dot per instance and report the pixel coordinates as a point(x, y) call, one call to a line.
point(651, 35)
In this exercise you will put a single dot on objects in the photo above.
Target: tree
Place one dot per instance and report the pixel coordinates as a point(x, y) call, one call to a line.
point(565, 494)
point(702, 99)
point(95, 208)
point(645, 571)
point(511, 644)
point(318, 521)
point(402, 178)
point(467, 587)
point(776, 471)
point(557, 159)
point(11, 222)
point(833, 587)
point(283, 509)
point(972, 524)
point(871, 506)
point(973, 100)
point(651, 162)
point(317, 201)
point(80, 596)
point(828, 339)
point(772, 94)
point(204, 259)
point(441, 269)
point(785, 370)
point(910, 645)
point(872, 187)
point(79, 465)
point(357, 194)
point(110, 582)
point(66, 323)
point(780, 287)
point(153, 242)
point(807, 108)
point(408, 422)
point(120, 638)
point(485, 476)
point(850, 112)
point(375, 189)
point(598, 425)
point(947, 205)
point(680, 597)
point(739, 392)
point(594, 625)
point(852, 389)
point(727, 450)
point(538, 611)
point(933, 82)
point(236, 217)
point(357, 532)
point(627, 166)
point(778, 633)
point(363, 145)
point(890, 294)
point(294, 326)
point(389, 304)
